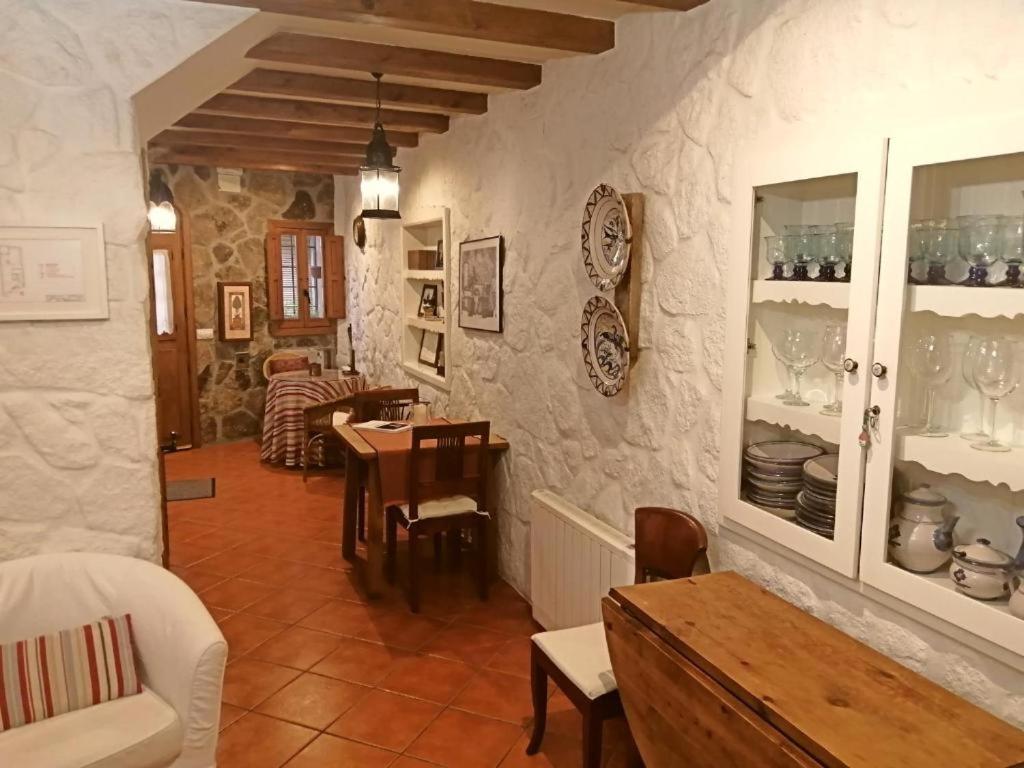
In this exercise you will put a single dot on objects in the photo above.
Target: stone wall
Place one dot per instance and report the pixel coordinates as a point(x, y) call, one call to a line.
point(228, 232)
point(663, 114)
point(78, 446)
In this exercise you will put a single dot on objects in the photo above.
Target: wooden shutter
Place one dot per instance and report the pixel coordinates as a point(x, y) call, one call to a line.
point(334, 283)
point(275, 300)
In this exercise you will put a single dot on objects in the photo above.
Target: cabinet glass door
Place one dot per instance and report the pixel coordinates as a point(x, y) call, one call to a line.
point(945, 483)
point(803, 273)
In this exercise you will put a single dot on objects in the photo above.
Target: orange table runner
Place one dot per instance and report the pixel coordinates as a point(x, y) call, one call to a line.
point(393, 451)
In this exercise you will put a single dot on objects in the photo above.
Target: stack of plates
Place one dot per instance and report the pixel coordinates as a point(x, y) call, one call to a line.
point(816, 501)
point(773, 473)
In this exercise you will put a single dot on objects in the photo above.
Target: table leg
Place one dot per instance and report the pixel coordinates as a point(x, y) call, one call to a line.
point(492, 507)
point(353, 469)
point(374, 532)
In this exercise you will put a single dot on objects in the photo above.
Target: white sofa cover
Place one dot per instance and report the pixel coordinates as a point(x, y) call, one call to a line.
point(181, 655)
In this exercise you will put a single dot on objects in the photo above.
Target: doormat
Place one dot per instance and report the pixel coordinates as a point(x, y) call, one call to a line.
point(185, 490)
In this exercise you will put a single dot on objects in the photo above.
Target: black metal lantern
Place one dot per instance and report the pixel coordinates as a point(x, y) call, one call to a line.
point(379, 182)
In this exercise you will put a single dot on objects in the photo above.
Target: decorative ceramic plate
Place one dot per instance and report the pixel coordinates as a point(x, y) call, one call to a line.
point(823, 471)
point(606, 236)
point(605, 346)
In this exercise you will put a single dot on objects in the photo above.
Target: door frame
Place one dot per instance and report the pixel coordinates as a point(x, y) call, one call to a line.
point(183, 232)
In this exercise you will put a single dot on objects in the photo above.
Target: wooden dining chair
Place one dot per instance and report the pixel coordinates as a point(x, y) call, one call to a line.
point(669, 544)
point(318, 427)
point(443, 497)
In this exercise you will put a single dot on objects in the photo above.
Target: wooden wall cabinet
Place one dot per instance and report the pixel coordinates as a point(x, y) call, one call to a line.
point(974, 167)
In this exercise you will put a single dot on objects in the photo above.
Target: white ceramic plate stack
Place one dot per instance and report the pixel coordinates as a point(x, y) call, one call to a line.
point(773, 473)
point(816, 501)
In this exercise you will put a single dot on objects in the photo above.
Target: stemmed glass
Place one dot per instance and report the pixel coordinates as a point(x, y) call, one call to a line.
point(800, 350)
point(981, 245)
point(833, 352)
point(778, 256)
point(786, 394)
point(828, 253)
point(1013, 252)
point(917, 247)
point(801, 241)
point(967, 371)
point(942, 241)
point(844, 247)
point(930, 360)
point(996, 374)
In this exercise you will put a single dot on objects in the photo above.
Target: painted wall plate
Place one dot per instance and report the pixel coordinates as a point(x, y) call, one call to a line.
point(606, 235)
point(605, 346)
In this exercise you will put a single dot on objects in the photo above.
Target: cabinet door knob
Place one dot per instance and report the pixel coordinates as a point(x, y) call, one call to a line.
point(878, 370)
point(850, 365)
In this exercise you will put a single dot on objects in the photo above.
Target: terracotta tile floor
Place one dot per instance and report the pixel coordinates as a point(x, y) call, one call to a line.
point(317, 674)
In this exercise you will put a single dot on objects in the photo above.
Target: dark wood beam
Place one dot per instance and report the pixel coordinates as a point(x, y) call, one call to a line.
point(667, 5)
point(459, 18)
point(223, 157)
point(184, 138)
point(335, 53)
point(319, 113)
point(283, 129)
point(301, 85)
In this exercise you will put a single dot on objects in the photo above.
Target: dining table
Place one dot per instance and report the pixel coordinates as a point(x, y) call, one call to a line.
point(374, 465)
point(288, 394)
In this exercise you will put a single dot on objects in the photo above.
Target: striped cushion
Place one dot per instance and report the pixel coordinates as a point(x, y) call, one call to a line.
point(53, 674)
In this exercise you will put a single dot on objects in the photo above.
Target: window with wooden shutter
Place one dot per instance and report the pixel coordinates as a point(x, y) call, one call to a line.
point(335, 265)
point(298, 278)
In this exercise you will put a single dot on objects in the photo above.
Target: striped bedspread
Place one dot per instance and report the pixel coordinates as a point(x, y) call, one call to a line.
point(287, 395)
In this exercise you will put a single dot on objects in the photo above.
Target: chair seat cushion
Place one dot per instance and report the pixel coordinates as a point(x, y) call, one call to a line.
point(581, 653)
point(139, 731)
point(447, 507)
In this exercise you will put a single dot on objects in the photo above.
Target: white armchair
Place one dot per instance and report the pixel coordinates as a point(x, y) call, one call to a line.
point(181, 655)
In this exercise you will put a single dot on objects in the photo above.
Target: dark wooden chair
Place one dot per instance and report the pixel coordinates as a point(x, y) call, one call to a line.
point(444, 500)
point(318, 427)
point(669, 544)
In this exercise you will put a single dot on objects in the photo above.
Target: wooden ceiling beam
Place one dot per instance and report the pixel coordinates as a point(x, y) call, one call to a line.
point(283, 129)
point(179, 138)
point(459, 18)
point(668, 5)
point(302, 85)
point(354, 56)
point(224, 157)
point(320, 113)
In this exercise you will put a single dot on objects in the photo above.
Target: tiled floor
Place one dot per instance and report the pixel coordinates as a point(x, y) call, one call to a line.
point(320, 676)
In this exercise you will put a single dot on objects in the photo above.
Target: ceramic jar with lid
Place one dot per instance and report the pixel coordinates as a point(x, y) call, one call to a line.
point(983, 572)
point(920, 538)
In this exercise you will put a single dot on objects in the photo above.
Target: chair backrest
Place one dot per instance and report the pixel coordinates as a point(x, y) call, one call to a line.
point(669, 543)
point(321, 415)
point(284, 360)
point(459, 463)
point(386, 403)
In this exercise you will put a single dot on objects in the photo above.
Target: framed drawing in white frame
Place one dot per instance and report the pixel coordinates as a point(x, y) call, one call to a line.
point(480, 289)
point(53, 273)
point(430, 348)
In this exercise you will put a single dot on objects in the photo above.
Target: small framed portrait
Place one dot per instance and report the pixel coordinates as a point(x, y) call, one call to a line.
point(429, 302)
point(234, 302)
point(431, 345)
point(480, 288)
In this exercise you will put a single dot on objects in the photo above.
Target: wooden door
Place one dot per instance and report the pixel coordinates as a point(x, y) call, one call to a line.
point(173, 333)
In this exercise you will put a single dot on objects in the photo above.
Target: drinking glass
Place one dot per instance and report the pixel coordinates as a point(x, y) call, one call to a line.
point(828, 253)
point(996, 374)
point(1013, 251)
point(844, 246)
point(917, 247)
point(980, 245)
point(778, 256)
point(801, 350)
point(942, 242)
point(801, 242)
point(786, 394)
point(833, 353)
point(967, 371)
point(930, 360)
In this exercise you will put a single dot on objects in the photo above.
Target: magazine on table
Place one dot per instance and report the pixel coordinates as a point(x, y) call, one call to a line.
point(384, 426)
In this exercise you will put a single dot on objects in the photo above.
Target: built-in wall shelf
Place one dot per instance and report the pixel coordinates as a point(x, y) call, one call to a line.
point(426, 373)
point(806, 419)
point(953, 456)
point(437, 326)
point(959, 301)
point(425, 274)
point(835, 295)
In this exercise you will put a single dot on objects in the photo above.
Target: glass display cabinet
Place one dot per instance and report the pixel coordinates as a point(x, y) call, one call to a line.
point(803, 272)
point(949, 360)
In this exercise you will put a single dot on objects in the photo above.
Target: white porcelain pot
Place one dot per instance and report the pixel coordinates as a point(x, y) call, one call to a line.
point(1017, 601)
point(920, 538)
point(981, 571)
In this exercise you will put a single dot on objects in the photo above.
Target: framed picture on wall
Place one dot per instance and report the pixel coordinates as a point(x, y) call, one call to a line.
point(430, 348)
point(234, 310)
point(480, 288)
point(53, 273)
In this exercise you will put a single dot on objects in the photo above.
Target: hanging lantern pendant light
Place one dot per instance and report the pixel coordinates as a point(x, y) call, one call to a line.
point(379, 182)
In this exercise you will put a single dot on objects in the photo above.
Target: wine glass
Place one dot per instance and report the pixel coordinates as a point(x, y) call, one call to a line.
point(1013, 251)
point(801, 350)
point(801, 242)
point(930, 360)
point(844, 247)
point(917, 247)
point(980, 245)
point(942, 242)
point(996, 375)
point(777, 346)
point(833, 353)
point(778, 256)
point(828, 250)
point(967, 371)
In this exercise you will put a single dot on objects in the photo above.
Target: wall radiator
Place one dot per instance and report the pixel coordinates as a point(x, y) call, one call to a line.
point(574, 560)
